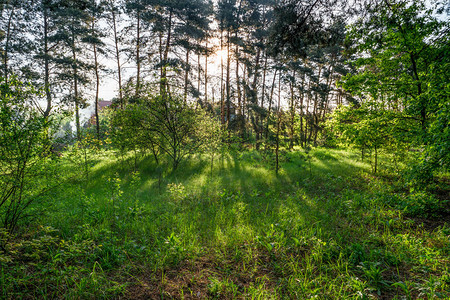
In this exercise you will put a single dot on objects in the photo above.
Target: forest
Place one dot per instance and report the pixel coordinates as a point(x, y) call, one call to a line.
point(224, 149)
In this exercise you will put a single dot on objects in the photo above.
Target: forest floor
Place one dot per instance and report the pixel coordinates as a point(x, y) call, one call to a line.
point(325, 227)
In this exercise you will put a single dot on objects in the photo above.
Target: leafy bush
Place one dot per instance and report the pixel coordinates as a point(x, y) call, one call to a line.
point(165, 124)
point(421, 204)
point(23, 140)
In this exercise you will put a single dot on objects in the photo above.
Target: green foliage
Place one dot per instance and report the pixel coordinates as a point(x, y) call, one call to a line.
point(420, 204)
point(437, 155)
point(83, 151)
point(336, 232)
point(399, 51)
point(165, 124)
point(55, 267)
point(369, 127)
point(321, 226)
point(178, 127)
point(22, 150)
point(177, 192)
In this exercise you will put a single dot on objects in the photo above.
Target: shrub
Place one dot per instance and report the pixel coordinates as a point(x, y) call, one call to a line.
point(23, 140)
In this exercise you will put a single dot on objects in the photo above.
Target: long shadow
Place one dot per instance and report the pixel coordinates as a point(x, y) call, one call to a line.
point(266, 197)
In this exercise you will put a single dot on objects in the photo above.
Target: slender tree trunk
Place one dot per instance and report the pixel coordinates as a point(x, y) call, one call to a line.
point(315, 128)
point(278, 126)
point(255, 97)
point(270, 103)
point(239, 93)
point(308, 115)
point(46, 112)
point(199, 72)
point(292, 114)
point(7, 42)
point(327, 97)
point(227, 82)
point(186, 76)
point(259, 117)
point(138, 53)
point(166, 56)
point(97, 85)
point(206, 72)
point(423, 108)
point(263, 94)
point(161, 67)
point(244, 101)
point(222, 108)
point(75, 86)
point(116, 45)
point(302, 94)
point(46, 67)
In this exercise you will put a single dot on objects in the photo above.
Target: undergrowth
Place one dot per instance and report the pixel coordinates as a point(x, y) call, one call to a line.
point(325, 227)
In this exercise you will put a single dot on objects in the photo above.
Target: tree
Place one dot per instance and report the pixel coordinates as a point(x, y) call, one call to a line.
point(73, 32)
point(178, 126)
point(400, 50)
point(94, 38)
point(299, 24)
point(131, 131)
point(164, 124)
point(22, 135)
point(15, 44)
point(369, 127)
point(114, 11)
point(46, 49)
point(181, 27)
point(137, 42)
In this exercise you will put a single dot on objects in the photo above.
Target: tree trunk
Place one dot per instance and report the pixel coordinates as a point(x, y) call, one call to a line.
point(75, 86)
point(302, 94)
point(255, 97)
point(138, 53)
point(244, 102)
point(278, 126)
point(292, 114)
point(222, 107)
point(315, 128)
point(263, 94)
point(97, 85)
point(206, 72)
point(8, 38)
point(165, 57)
point(308, 115)
point(270, 103)
point(327, 97)
point(46, 112)
point(161, 67)
point(186, 76)
point(227, 82)
point(199, 72)
point(46, 67)
point(116, 44)
point(239, 93)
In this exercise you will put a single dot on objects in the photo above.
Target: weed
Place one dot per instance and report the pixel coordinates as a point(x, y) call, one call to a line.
point(324, 228)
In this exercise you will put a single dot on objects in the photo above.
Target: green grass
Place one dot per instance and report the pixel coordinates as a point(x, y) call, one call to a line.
point(324, 227)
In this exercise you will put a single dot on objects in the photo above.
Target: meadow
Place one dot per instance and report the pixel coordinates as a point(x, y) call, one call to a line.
point(324, 228)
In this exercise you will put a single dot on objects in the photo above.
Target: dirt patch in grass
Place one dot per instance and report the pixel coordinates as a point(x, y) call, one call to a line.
point(430, 224)
point(205, 277)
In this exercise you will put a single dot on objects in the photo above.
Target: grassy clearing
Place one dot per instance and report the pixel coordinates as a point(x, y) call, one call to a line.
point(325, 227)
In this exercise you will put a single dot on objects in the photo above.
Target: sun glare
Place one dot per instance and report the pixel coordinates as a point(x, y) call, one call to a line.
point(219, 55)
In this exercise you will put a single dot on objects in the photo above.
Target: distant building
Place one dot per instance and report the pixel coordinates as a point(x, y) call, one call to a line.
point(101, 105)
